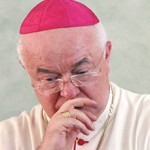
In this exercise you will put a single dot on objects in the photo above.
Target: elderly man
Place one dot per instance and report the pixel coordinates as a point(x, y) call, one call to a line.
point(64, 49)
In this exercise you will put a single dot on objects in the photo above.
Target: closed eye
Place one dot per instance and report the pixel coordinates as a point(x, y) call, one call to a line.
point(52, 79)
point(81, 72)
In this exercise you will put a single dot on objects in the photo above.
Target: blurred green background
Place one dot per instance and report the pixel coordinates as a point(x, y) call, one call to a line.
point(127, 24)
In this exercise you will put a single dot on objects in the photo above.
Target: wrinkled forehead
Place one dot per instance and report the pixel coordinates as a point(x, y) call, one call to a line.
point(65, 43)
point(56, 35)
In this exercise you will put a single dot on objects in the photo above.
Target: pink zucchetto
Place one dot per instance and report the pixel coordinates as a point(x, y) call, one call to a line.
point(52, 14)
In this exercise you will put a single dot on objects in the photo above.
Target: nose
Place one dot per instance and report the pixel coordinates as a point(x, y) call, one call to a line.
point(69, 90)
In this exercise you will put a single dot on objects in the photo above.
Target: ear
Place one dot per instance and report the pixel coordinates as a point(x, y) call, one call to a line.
point(108, 51)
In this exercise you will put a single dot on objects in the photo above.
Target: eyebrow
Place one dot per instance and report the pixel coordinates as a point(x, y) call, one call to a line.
point(43, 70)
point(82, 61)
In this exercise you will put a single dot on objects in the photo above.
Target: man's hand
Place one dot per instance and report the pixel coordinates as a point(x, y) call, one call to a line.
point(62, 131)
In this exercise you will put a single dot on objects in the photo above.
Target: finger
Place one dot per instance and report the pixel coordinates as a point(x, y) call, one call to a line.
point(78, 103)
point(83, 118)
point(74, 124)
point(81, 102)
point(90, 115)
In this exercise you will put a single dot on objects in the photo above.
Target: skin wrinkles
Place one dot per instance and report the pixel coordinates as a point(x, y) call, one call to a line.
point(51, 50)
point(23, 44)
point(82, 61)
point(82, 65)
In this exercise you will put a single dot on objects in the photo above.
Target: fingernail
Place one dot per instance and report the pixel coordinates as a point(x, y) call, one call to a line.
point(94, 117)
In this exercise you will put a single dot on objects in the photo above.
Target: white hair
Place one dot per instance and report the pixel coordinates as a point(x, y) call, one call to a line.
point(19, 51)
point(100, 33)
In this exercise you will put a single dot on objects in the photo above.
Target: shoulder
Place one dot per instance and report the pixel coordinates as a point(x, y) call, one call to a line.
point(24, 116)
point(131, 97)
point(133, 104)
point(131, 118)
point(25, 124)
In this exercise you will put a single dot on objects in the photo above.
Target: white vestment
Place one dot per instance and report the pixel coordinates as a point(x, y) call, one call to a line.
point(128, 127)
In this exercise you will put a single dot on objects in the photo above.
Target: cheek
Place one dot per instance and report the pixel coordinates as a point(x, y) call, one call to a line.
point(90, 92)
point(94, 92)
point(48, 103)
point(106, 68)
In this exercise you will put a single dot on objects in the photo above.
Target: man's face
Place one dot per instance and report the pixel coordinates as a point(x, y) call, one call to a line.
point(61, 53)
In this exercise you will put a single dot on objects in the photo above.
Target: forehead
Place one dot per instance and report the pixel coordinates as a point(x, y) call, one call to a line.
point(65, 46)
